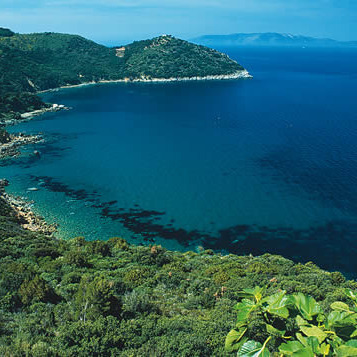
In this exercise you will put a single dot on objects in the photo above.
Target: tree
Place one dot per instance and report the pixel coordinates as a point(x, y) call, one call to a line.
point(94, 298)
point(34, 290)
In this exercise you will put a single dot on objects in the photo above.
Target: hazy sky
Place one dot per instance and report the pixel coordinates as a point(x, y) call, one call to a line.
point(119, 21)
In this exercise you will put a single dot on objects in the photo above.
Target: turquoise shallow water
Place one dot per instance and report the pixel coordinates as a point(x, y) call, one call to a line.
point(245, 166)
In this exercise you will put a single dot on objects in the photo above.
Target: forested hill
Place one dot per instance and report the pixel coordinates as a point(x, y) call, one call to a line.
point(167, 56)
point(41, 61)
point(32, 62)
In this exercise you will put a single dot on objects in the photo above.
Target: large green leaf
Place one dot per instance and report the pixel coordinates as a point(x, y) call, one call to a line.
point(277, 304)
point(306, 305)
point(335, 317)
point(348, 349)
point(302, 339)
point(300, 321)
point(314, 331)
point(256, 293)
point(253, 349)
point(295, 348)
point(340, 306)
point(234, 339)
point(313, 342)
point(244, 308)
point(351, 294)
point(324, 349)
point(343, 323)
point(274, 331)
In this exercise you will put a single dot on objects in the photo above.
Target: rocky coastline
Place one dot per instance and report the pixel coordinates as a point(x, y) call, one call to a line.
point(14, 119)
point(22, 212)
point(17, 207)
point(244, 74)
point(11, 148)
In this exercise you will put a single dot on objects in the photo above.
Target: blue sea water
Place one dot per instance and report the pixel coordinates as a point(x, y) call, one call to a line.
point(247, 166)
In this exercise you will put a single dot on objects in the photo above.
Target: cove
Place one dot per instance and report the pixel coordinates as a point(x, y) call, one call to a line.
point(247, 166)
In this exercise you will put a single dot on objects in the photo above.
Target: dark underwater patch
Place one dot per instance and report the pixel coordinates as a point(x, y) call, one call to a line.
point(52, 185)
point(144, 223)
point(332, 246)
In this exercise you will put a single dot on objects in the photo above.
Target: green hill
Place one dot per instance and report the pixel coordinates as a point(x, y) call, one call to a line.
point(48, 60)
point(167, 56)
point(40, 61)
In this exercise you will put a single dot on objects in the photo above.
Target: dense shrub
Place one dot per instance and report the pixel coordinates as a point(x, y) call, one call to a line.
point(112, 298)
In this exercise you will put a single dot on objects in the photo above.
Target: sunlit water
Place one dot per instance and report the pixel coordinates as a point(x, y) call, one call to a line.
point(247, 166)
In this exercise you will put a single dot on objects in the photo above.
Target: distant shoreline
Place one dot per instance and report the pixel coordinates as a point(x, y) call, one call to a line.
point(243, 74)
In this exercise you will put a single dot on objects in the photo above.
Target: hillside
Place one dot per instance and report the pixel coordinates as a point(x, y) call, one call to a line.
point(49, 60)
point(41, 61)
point(109, 298)
point(270, 39)
point(167, 56)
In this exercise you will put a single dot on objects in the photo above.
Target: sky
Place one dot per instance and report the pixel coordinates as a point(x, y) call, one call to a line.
point(116, 22)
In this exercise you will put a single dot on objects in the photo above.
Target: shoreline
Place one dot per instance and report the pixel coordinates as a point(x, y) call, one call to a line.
point(243, 74)
point(27, 116)
point(11, 148)
point(21, 210)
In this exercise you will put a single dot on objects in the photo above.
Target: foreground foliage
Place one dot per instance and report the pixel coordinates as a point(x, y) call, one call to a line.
point(293, 325)
point(83, 298)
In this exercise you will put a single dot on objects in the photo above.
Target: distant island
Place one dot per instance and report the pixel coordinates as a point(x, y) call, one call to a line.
point(270, 39)
point(30, 63)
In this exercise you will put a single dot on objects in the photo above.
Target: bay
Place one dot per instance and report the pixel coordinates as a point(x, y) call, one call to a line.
point(246, 166)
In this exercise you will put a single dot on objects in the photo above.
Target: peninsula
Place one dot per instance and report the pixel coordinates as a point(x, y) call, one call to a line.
point(31, 63)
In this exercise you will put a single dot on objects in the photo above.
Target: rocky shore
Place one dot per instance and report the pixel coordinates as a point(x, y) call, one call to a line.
point(19, 118)
point(22, 212)
point(244, 74)
point(11, 148)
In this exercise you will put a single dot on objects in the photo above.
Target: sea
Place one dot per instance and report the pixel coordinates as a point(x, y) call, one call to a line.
point(265, 165)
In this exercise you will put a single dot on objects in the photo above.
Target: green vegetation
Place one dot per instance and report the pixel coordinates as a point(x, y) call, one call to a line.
point(293, 325)
point(49, 60)
point(167, 56)
point(13, 104)
point(77, 297)
point(6, 32)
point(109, 298)
point(41, 61)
